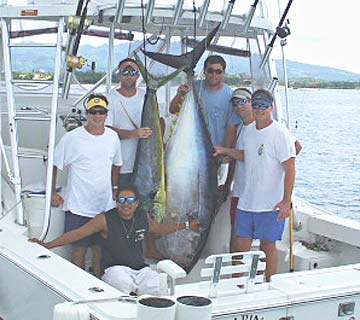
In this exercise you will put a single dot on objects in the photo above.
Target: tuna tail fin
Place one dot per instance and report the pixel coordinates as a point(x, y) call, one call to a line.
point(187, 60)
point(154, 82)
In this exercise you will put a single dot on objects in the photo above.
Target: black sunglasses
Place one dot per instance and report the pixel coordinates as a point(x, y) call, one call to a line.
point(216, 71)
point(97, 111)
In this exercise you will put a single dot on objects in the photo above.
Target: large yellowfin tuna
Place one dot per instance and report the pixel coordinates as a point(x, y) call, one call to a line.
point(191, 169)
point(149, 167)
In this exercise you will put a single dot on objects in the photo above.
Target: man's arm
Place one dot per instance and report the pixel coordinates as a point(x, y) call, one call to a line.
point(97, 224)
point(159, 228)
point(56, 199)
point(115, 172)
point(298, 147)
point(140, 133)
point(231, 152)
point(230, 137)
point(285, 204)
point(230, 142)
point(177, 101)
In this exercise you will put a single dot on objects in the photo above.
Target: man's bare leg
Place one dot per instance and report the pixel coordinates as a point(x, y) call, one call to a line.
point(240, 244)
point(271, 257)
point(96, 260)
point(78, 256)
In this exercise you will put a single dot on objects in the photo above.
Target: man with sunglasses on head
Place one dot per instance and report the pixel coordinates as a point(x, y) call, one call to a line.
point(92, 155)
point(125, 110)
point(122, 232)
point(215, 95)
point(241, 102)
point(268, 151)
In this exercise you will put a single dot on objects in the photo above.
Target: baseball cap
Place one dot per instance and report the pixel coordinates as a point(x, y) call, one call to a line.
point(261, 97)
point(241, 93)
point(97, 102)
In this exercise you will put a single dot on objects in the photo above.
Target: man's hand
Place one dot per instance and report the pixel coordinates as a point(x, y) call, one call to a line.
point(224, 190)
point(219, 151)
point(57, 200)
point(142, 133)
point(195, 225)
point(284, 207)
point(36, 240)
point(183, 89)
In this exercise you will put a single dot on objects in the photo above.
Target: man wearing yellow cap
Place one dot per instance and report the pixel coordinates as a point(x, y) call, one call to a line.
point(92, 155)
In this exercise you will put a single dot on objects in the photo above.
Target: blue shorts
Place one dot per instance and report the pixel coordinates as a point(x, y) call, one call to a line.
point(74, 221)
point(259, 225)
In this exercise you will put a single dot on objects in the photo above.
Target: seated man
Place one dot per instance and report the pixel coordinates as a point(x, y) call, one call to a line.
point(122, 230)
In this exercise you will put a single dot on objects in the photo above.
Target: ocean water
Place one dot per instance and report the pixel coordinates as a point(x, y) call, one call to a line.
point(327, 122)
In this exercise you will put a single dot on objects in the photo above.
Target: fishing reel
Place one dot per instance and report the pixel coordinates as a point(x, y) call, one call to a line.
point(284, 31)
point(73, 119)
point(75, 62)
point(74, 23)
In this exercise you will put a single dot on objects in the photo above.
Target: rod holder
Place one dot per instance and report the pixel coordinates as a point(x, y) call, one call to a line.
point(266, 57)
point(273, 84)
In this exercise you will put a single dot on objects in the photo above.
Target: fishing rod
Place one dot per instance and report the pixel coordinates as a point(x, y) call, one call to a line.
point(282, 32)
point(250, 16)
point(80, 29)
point(72, 60)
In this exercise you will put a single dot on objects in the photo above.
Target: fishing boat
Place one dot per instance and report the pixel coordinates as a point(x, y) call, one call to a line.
point(319, 261)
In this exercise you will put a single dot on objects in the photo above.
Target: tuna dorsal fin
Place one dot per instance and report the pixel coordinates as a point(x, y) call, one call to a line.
point(187, 60)
point(154, 82)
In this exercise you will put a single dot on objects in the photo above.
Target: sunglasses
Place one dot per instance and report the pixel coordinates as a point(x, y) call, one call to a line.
point(239, 102)
point(129, 72)
point(97, 111)
point(129, 200)
point(260, 106)
point(216, 71)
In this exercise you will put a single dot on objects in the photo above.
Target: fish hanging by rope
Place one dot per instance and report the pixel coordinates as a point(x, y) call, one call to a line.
point(191, 169)
point(149, 167)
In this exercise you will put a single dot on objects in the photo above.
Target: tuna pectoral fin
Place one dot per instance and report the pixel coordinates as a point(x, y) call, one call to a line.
point(187, 60)
point(154, 82)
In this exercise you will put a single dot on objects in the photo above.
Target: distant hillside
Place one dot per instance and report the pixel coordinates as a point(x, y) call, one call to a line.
point(35, 59)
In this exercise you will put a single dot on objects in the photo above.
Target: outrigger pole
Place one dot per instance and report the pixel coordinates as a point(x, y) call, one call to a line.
point(270, 46)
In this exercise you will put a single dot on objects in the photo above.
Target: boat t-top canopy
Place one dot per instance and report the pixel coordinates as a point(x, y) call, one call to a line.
point(174, 17)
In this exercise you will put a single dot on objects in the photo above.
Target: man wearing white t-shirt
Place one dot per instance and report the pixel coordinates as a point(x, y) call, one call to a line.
point(125, 111)
point(93, 156)
point(241, 102)
point(268, 152)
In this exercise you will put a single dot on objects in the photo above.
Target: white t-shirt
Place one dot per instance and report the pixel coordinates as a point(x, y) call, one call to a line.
point(119, 118)
point(90, 159)
point(239, 174)
point(265, 150)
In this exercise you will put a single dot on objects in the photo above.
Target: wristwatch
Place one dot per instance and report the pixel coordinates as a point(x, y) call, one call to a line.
point(115, 187)
point(187, 224)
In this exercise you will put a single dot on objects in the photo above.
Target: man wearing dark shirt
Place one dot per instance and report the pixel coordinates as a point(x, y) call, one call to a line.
point(122, 230)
